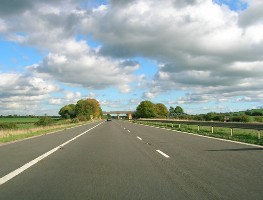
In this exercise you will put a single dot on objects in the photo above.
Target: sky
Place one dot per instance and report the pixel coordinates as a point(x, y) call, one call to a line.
point(203, 55)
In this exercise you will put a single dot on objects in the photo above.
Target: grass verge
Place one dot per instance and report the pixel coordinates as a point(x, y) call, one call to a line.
point(13, 135)
point(240, 135)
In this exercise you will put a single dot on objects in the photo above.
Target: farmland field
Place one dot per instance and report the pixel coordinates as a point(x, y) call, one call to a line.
point(19, 120)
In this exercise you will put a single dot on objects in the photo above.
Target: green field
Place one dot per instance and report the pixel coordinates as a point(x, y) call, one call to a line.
point(25, 122)
point(18, 120)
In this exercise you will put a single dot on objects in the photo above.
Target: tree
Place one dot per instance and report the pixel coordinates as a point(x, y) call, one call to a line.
point(161, 110)
point(178, 110)
point(95, 107)
point(68, 111)
point(86, 108)
point(210, 116)
point(171, 111)
point(146, 109)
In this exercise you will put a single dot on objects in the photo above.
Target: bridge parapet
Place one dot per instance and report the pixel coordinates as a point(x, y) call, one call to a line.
point(118, 113)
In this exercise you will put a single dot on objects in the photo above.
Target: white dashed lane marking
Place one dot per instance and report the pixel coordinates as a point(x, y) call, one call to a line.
point(163, 154)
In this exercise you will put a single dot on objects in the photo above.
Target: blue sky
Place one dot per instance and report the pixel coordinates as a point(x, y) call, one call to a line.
point(203, 55)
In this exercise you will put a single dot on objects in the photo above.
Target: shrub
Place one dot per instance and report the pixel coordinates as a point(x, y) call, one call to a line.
point(75, 120)
point(243, 118)
point(8, 125)
point(44, 121)
point(258, 119)
point(82, 118)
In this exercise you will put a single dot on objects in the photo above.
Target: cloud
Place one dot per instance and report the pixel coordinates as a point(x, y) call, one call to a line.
point(253, 14)
point(201, 46)
point(15, 7)
point(52, 28)
point(88, 70)
point(20, 92)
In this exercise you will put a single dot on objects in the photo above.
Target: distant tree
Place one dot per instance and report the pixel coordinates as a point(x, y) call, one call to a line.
point(161, 110)
point(249, 113)
point(210, 116)
point(178, 110)
point(171, 112)
point(257, 113)
point(146, 109)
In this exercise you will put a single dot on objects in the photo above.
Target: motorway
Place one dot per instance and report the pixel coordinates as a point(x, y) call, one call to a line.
point(121, 160)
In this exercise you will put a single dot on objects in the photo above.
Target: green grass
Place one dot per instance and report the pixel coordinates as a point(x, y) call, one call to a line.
point(242, 135)
point(19, 120)
point(27, 123)
point(26, 126)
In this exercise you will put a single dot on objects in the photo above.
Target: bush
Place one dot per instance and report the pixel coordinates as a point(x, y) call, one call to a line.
point(243, 118)
point(75, 120)
point(44, 121)
point(82, 118)
point(8, 125)
point(258, 119)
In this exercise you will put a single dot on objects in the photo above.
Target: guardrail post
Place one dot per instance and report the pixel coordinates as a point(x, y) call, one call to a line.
point(212, 130)
point(172, 125)
point(259, 135)
point(179, 125)
point(231, 132)
point(198, 128)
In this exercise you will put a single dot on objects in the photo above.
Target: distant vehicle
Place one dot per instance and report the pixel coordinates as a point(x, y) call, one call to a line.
point(109, 119)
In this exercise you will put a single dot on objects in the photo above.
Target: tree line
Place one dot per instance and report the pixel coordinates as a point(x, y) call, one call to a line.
point(147, 109)
point(84, 109)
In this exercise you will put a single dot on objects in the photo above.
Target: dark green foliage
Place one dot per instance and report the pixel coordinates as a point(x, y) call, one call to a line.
point(8, 125)
point(146, 109)
point(68, 111)
point(243, 118)
point(212, 116)
point(177, 111)
point(45, 121)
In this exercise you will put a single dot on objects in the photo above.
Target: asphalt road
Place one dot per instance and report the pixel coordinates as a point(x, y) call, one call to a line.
point(119, 160)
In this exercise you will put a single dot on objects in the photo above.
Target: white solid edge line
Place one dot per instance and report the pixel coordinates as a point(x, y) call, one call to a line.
point(162, 153)
point(16, 172)
point(139, 138)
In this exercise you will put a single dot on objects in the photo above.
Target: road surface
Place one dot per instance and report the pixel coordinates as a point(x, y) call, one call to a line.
point(120, 160)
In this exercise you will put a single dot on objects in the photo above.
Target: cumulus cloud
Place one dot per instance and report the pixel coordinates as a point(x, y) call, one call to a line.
point(53, 28)
point(204, 48)
point(22, 92)
point(88, 70)
point(253, 14)
point(201, 46)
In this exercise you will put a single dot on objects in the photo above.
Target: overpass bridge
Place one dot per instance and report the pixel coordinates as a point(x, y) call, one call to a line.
point(118, 113)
